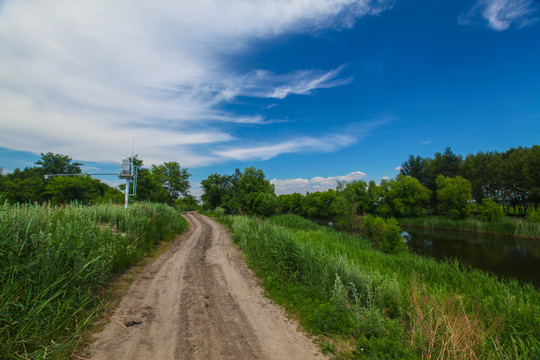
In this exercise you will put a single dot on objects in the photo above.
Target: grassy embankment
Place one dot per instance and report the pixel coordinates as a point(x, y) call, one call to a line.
point(507, 226)
point(55, 261)
point(370, 305)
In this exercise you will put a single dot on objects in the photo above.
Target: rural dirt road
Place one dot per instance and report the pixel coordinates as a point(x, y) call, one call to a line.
point(199, 301)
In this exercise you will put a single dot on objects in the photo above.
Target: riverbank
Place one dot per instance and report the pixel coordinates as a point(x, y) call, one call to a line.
point(364, 304)
point(516, 227)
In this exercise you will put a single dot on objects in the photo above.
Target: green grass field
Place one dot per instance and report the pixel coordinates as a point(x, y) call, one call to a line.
point(55, 260)
point(368, 305)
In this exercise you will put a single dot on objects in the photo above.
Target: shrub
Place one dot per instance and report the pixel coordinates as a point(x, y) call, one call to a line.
point(392, 241)
point(490, 210)
point(385, 235)
point(534, 215)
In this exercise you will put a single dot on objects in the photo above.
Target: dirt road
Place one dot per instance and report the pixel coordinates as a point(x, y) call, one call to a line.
point(199, 301)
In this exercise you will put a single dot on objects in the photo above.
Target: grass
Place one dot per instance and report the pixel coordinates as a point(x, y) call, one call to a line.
point(370, 305)
point(55, 262)
point(508, 226)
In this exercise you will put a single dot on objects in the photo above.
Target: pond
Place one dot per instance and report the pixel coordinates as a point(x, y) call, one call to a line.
point(503, 256)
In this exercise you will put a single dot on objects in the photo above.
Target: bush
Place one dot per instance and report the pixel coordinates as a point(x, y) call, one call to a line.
point(490, 210)
point(392, 242)
point(534, 215)
point(385, 235)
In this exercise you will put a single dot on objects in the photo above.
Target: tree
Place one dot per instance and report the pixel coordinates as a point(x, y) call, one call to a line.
point(58, 164)
point(251, 183)
point(24, 186)
point(454, 195)
point(266, 204)
point(215, 190)
point(407, 196)
point(172, 178)
point(416, 167)
point(446, 164)
point(66, 189)
point(291, 203)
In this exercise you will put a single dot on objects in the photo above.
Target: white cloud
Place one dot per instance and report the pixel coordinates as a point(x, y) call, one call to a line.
point(501, 14)
point(318, 183)
point(427, 142)
point(398, 168)
point(82, 78)
point(302, 145)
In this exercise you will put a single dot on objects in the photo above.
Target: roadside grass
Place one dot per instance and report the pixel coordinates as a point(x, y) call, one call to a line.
point(55, 263)
point(370, 305)
point(508, 226)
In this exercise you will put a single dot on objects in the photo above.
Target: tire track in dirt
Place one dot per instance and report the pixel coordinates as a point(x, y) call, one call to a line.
point(199, 301)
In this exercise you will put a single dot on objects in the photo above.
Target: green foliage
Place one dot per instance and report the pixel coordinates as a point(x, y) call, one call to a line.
point(187, 203)
point(172, 178)
point(407, 196)
point(534, 215)
point(454, 195)
point(384, 234)
point(83, 189)
point(54, 260)
point(215, 188)
point(58, 164)
point(241, 193)
point(339, 286)
point(489, 210)
point(266, 204)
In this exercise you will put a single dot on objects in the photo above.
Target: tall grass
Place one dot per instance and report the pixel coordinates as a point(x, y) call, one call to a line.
point(508, 226)
point(53, 261)
point(388, 306)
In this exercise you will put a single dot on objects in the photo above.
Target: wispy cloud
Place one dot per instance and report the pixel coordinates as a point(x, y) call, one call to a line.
point(501, 14)
point(318, 183)
point(427, 142)
point(297, 145)
point(265, 84)
point(84, 77)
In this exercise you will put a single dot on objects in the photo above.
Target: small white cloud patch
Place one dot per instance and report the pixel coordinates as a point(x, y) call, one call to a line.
point(318, 183)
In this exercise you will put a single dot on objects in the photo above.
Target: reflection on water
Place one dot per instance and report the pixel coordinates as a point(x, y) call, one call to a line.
point(502, 255)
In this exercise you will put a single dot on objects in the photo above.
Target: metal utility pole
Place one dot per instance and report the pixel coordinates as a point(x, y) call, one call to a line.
point(128, 172)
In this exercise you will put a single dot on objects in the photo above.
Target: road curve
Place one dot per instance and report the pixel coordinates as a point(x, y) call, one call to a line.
point(199, 301)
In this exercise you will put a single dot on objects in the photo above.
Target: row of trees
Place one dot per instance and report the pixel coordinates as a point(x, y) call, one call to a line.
point(166, 183)
point(446, 184)
point(251, 193)
point(510, 178)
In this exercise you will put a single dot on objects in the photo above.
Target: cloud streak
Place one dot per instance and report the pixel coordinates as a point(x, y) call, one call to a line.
point(297, 145)
point(500, 15)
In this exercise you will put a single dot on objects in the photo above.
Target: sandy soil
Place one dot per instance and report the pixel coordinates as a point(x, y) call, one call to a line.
point(199, 301)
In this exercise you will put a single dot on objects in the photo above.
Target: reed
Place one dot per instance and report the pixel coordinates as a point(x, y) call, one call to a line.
point(53, 261)
point(380, 304)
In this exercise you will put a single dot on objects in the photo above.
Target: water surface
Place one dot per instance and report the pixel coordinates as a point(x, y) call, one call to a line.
point(504, 256)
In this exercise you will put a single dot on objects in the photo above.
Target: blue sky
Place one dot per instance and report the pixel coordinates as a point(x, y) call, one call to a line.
point(309, 91)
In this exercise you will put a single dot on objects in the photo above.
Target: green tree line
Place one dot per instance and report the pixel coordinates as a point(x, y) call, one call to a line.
point(510, 178)
point(446, 184)
point(166, 183)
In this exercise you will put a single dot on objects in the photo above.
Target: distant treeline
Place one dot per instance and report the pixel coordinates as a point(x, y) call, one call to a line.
point(445, 184)
point(166, 183)
point(510, 178)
